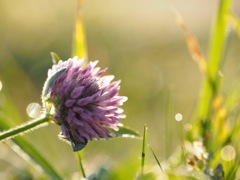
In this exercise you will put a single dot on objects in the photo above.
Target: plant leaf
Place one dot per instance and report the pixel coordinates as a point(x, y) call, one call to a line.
point(125, 132)
point(55, 58)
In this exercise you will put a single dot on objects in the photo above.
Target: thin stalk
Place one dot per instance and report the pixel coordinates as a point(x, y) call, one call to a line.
point(155, 156)
point(35, 123)
point(143, 151)
point(169, 124)
point(81, 164)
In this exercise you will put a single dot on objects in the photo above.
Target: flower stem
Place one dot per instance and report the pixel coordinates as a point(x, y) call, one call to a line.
point(81, 165)
point(35, 123)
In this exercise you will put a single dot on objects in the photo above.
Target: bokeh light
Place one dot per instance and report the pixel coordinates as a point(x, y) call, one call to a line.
point(1, 85)
point(228, 153)
point(34, 110)
point(178, 117)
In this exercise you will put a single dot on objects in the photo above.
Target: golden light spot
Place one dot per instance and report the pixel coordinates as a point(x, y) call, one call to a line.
point(228, 153)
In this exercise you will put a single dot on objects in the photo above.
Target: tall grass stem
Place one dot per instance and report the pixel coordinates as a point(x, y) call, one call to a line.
point(211, 83)
point(143, 151)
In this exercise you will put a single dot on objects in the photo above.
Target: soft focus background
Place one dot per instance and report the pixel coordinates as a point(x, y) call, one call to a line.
point(140, 43)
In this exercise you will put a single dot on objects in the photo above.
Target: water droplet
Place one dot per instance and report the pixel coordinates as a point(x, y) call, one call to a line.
point(228, 153)
point(178, 117)
point(1, 85)
point(34, 110)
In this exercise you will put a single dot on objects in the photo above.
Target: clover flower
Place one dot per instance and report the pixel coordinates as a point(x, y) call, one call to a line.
point(86, 103)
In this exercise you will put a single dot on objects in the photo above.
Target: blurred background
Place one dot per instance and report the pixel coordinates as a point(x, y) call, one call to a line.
point(140, 43)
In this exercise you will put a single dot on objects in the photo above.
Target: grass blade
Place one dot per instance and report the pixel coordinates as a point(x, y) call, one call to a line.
point(143, 151)
point(156, 158)
point(214, 60)
point(31, 152)
point(79, 42)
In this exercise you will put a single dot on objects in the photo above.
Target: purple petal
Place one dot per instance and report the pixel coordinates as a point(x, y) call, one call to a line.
point(69, 102)
point(71, 116)
point(65, 131)
point(109, 95)
point(77, 92)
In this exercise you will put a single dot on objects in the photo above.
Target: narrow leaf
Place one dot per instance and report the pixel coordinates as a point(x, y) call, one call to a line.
point(156, 158)
point(125, 132)
point(79, 43)
point(217, 45)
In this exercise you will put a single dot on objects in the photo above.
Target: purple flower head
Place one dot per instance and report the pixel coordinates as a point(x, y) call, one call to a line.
point(86, 104)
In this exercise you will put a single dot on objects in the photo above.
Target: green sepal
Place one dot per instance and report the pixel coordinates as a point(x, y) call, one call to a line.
point(50, 81)
point(55, 58)
point(77, 146)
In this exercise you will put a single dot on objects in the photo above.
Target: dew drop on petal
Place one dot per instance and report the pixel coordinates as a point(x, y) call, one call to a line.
point(228, 153)
point(178, 117)
point(34, 110)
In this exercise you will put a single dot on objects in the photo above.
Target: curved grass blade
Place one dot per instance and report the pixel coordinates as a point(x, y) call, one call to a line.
point(156, 158)
point(31, 152)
